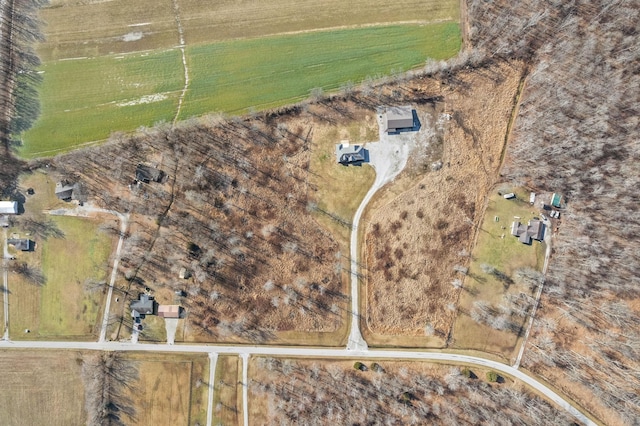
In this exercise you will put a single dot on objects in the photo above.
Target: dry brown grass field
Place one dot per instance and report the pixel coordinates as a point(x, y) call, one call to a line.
point(77, 29)
point(171, 389)
point(41, 387)
point(423, 225)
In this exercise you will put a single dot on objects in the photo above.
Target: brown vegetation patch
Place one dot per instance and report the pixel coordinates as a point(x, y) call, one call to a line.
point(422, 225)
point(235, 208)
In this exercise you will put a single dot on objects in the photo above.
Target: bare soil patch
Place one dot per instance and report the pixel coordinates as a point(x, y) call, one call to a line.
point(423, 224)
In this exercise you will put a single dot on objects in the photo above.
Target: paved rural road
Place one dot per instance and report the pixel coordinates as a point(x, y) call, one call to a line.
point(246, 351)
point(388, 157)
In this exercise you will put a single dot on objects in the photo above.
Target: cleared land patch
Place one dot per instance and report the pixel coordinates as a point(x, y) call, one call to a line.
point(41, 388)
point(170, 389)
point(497, 248)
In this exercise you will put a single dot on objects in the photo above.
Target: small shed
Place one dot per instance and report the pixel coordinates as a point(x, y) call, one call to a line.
point(169, 311)
point(532, 198)
point(556, 199)
point(397, 118)
point(8, 207)
point(184, 273)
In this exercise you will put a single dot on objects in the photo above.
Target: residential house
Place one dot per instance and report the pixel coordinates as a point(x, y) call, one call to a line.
point(148, 174)
point(350, 154)
point(534, 230)
point(145, 305)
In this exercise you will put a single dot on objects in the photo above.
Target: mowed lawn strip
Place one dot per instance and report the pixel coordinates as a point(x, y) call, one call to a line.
point(234, 76)
point(85, 100)
point(506, 255)
point(66, 310)
point(41, 388)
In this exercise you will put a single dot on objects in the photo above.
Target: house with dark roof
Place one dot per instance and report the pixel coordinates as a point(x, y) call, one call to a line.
point(145, 305)
point(534, 230)
point(64, 190)
point(8, 207)
point(148, 174)
point(347, 154)
point(398, 118)
point(23, 244)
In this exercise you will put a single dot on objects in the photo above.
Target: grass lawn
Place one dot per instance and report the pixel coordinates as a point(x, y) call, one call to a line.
point(170, 389)
point(41, 388)
point(506, 255)
point(340, 189)
point(66, 310)
point(233, 76)
point(227, 395)
point(85, 100)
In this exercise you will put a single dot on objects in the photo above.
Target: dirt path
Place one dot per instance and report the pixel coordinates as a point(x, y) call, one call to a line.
point(547, 255)
point(176, 11)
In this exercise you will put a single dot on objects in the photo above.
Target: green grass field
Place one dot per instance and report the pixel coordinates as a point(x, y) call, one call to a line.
point(85, 100)
point(83, 253)
point(262, 73)
point(506, 255)
point(61, 308)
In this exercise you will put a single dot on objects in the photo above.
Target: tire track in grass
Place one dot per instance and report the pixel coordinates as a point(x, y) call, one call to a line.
point(176, 12)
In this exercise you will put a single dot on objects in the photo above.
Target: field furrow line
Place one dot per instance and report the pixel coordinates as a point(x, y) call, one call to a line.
point(176, 11)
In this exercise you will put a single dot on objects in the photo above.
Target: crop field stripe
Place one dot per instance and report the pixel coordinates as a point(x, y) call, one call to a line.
point(267, 72)
point(87, 99)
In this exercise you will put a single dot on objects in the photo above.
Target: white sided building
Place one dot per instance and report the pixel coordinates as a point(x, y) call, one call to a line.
point(8, 207)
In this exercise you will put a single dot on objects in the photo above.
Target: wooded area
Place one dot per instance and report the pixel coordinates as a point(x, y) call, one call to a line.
point(577, 134)
point(318, 392)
